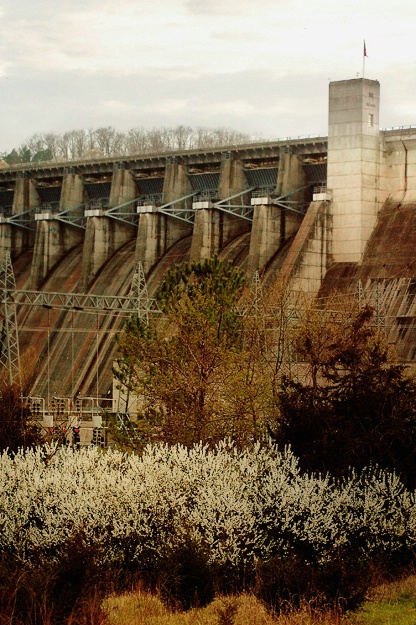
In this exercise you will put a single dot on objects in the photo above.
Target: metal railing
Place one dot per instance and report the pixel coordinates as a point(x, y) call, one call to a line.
point(321, 188)
point(263, 191)
point(154, 199)
point(207, 195)
point(52, 207)
point(98, 203)
point(393, 128)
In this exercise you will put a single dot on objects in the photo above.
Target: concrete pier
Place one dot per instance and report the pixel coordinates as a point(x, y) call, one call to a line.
point(273, 224)
point(105, 235)
point(176, 183)
point(214, 229)
point(309, 256)
point(123, 188)
point(15, 239)
point(54, 239)
point(73, 194)
point(158, 232)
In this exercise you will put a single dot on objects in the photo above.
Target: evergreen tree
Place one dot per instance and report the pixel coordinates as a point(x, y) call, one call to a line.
point(186, 367)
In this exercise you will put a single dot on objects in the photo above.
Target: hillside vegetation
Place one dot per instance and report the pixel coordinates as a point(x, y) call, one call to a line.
point(109, 142)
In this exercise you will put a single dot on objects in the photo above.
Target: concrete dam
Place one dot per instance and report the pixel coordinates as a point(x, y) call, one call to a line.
point(324, 213)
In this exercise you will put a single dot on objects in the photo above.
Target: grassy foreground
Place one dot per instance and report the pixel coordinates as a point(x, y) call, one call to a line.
point(144, 609)
point(388, 604)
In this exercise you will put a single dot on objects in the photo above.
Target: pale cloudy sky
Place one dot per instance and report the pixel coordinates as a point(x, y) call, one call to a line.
point(257, 67)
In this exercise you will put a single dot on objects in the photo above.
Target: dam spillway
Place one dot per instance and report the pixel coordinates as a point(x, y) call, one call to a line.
point(306, 210)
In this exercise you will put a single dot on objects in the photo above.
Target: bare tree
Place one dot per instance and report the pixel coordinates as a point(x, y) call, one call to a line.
point(107, 141)
point(136, 141)
point(182, 137)
point(52, 144)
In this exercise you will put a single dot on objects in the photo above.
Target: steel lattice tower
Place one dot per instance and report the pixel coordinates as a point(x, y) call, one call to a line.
point(139, 293)
point(137, 301)
point(9, 339)
point(256, 294)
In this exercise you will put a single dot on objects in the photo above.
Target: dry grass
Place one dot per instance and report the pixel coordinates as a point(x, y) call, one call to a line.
point(388, 604)
point(140, 608)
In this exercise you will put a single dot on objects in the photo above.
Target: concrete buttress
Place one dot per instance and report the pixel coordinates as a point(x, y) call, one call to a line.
point(158, 232)
point(14, 238)
point(308, 258)
point(214, 229)
point(105, 235)
point(73, 194)
point(54, 238)
point(273, 225)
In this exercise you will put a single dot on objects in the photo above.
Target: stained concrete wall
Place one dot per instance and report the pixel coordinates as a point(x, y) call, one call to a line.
point(156, 235)
point(208, 234)
point(272, 226)
point(176, 183)
point(15, 239)
point(388, 263)
point(233, 179)
point(310, 253)
point(54, 239)
point(401, 168)
point(73, 194)
point(123, 189)
point(291, 176)
point(26, 198)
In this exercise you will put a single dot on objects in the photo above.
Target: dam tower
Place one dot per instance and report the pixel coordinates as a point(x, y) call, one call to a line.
point(355, 176)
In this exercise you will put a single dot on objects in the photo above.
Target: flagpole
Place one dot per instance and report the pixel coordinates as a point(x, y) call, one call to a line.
point(364, 55)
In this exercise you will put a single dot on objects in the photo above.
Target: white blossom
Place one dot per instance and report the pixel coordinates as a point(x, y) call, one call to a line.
point(239, 506)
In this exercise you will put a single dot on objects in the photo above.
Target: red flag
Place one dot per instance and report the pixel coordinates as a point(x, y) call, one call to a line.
point(365, 50)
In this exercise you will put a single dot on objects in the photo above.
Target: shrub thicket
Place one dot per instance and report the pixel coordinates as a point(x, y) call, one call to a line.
point(195, 520)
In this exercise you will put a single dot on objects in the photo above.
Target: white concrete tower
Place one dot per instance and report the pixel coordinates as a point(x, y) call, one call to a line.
point(353, 165)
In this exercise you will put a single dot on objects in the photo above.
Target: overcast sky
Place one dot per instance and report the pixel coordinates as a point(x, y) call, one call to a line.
point(260, 67)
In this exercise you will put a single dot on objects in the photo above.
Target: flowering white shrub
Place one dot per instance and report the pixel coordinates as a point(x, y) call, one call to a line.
point(238, 506)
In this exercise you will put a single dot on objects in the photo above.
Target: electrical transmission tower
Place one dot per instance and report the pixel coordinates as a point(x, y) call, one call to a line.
point(137, 302)
point(139, 293)
point(256, 294)
point(9, 340)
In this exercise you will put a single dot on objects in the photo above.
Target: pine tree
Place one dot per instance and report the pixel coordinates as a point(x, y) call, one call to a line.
point(185, 367)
